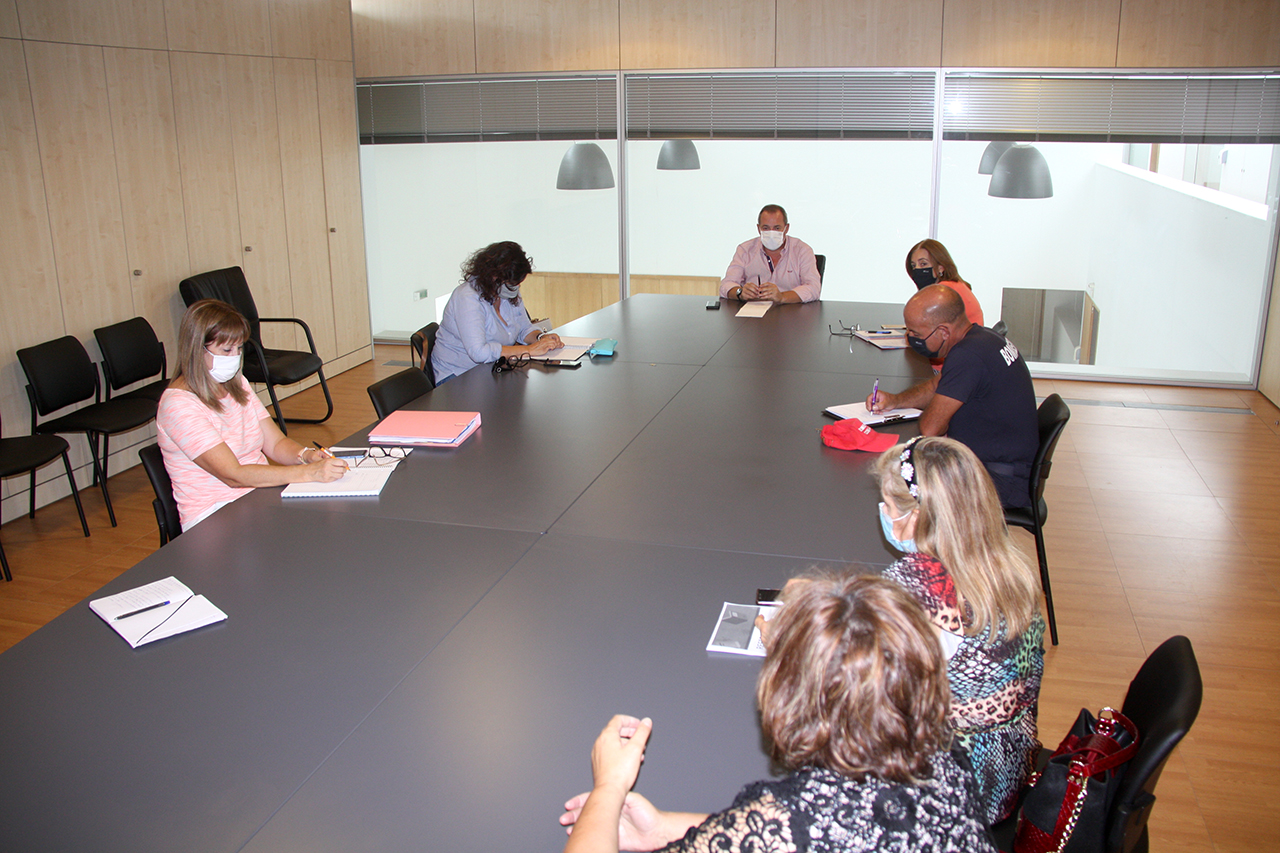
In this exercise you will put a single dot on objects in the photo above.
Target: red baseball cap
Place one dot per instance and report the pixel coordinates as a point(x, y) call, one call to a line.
point(853, 434)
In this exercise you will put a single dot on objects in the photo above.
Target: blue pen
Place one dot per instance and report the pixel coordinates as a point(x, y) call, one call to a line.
point(875, 394)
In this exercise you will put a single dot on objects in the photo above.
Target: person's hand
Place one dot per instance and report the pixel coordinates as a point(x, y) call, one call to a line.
point(769, 291)
point(545, 344)
point(766, 625)
point(749, 291)
point(326, 470)
point(619, 751)
point(884, 401)
point(640, 826)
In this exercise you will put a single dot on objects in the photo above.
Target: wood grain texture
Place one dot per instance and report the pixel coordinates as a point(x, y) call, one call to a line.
point(145, 131)
point(311, 29)
point(406, 38)
point(1037, 33)
point(302, 171)
point(203, 110)
point(119, 23)
point(553, 35)
point(837, 33)
point(219, 26)
point(697, 33)
point(73, 122)
point(340, 155)
point(255, 142)
point(1199, 33)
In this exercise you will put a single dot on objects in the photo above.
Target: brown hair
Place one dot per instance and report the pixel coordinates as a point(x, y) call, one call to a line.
point(961, 523)
point(495, 265)
point(773, 208)
point(941, 258)
point(854, 681)
point(209, 322)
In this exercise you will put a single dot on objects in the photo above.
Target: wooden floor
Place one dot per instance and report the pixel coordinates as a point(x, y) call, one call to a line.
point(1162, 521)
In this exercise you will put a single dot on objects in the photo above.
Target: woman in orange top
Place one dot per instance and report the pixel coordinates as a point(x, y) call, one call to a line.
point(929, 262)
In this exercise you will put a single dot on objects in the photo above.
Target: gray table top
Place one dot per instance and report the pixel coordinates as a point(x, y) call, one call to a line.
point(429, 668)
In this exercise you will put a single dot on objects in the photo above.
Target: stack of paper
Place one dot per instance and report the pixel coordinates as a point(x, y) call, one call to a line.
point(859, 411)
point(573, 349)
point(885, 338)
point(156, 611)
point(756, 308)
point(365, 479)
point(425, 429)
point(736, 631)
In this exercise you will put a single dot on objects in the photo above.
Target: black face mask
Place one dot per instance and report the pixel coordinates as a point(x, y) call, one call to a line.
point(923, 277)
point(921, 345)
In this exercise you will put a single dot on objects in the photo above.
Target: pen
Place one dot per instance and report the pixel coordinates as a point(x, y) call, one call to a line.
point(141, 610)
point(329, 453)
point(875, 393)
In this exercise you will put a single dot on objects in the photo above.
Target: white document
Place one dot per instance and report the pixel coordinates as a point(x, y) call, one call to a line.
point(156, 611)
point(884, 339)
point(736, 631)
point(365, 479)
point(859, 411)
point(573, 349)
point(757, 308)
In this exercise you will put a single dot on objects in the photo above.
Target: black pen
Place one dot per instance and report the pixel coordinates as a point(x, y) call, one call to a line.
point(141, 610)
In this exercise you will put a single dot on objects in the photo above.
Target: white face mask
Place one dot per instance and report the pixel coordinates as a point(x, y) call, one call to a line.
point(772, 239)
point(224, 367)
point(509, 292)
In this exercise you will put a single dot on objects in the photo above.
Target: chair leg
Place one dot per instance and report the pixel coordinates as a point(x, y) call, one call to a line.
point(4, 564)
point(32, 513)
point(75, 493)
point(275, 405)
point(102, 480)
point(324, 386)
point(1044, 583)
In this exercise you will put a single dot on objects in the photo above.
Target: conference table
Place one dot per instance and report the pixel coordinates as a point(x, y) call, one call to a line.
point(427, 669)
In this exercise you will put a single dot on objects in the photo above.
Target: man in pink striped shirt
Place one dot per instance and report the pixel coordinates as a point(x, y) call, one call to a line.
point(773, 266)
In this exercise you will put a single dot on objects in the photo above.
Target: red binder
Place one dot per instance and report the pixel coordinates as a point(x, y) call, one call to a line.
point(425, 429)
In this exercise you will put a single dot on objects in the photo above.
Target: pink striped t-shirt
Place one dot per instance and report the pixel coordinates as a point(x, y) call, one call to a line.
point(187, 428)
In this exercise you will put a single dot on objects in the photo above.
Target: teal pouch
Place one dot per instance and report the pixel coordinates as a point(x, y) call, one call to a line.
point(604, 346)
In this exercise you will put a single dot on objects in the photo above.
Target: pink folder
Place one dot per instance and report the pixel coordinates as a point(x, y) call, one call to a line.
point(425, 429)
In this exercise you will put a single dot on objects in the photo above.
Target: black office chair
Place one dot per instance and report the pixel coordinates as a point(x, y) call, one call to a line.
point(1053, 416)
point(395, 391)
point(27, 453)
point(60, 374)
point(822, 266)
point(423, 342)
point(131, 352)
point(1163, 701)
point(1000, 328)
point(270, 367)
point(167, 518)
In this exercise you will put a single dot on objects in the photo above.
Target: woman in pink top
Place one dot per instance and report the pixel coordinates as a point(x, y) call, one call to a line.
point(929, 262)
point(217, 439)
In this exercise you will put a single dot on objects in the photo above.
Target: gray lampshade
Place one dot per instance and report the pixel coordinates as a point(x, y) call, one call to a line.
point(1021, 172)
point(991, 156)
point(678, 155)
point(584, 167)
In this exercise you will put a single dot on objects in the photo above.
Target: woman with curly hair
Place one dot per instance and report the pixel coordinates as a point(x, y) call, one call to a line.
point(485, 317)
point(853, 703)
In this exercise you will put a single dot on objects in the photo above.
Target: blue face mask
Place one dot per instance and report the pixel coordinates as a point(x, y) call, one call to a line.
point(886, 525)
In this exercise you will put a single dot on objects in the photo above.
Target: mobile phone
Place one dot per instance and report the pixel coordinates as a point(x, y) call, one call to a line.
point(768, 596)
point(565, 363)
point(713, 304)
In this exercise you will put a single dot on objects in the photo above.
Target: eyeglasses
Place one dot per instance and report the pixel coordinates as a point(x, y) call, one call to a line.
point(844, 331)
point(386, 455)
point(506, 364)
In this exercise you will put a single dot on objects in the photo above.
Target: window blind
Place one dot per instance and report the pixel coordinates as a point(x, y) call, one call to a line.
point(1199, 109)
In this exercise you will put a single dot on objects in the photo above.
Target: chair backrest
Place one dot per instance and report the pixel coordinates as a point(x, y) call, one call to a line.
point(228, 285)
point(59, 373)
point(1001, 328)
point(1052, 416)
point(423, 342)
point(393, 392)
point(130, 352)
point(822, 266)
point(1163, 701)
point(165, 506)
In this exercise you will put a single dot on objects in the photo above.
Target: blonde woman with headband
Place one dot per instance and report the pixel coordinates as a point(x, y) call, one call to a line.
point(982, 595)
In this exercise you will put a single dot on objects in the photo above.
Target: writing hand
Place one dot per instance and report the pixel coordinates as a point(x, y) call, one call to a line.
point(769, 291)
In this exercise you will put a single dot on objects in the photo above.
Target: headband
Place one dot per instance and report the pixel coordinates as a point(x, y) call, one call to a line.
point(909, 468)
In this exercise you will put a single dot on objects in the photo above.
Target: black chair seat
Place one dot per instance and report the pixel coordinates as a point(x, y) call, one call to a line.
point(1021, 516)
point(285, 366)
point(119, 414)
point(20, 454)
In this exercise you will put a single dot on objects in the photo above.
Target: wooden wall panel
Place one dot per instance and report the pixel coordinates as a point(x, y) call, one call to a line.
point(836, 33)
point(73, 123)
point(340, 153)
point(255, 143)
point(202, 112)
point(406, 38)
point(564, 296)
point(313, 29)
point(146, 146)
point(556, 35)
point(28, 277)
point(119, 23)
point(219, 26)
point(1194, 33)
point(303, 181)
point(697, 33)
point(688, 285)
point(1037, 33)
point(9, 28)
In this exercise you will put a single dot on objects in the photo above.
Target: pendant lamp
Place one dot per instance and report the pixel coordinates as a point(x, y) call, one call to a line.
point(678, 155)
point(991, 156)
point(584, 167)
point(1021, 172)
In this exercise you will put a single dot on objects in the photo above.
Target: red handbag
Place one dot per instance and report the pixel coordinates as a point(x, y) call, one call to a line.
point(1066, 809)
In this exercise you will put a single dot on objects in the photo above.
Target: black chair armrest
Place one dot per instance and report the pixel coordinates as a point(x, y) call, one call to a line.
point(310, 340)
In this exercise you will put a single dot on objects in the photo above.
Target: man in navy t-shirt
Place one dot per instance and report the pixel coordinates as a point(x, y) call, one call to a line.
point(983, 397)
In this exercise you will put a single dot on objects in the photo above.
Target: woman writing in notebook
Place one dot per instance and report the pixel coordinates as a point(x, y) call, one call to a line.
point(217, 439)
point(485, 318)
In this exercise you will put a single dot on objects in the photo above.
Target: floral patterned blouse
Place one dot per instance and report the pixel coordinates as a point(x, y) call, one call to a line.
point(819, 810)
point(995, 688)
